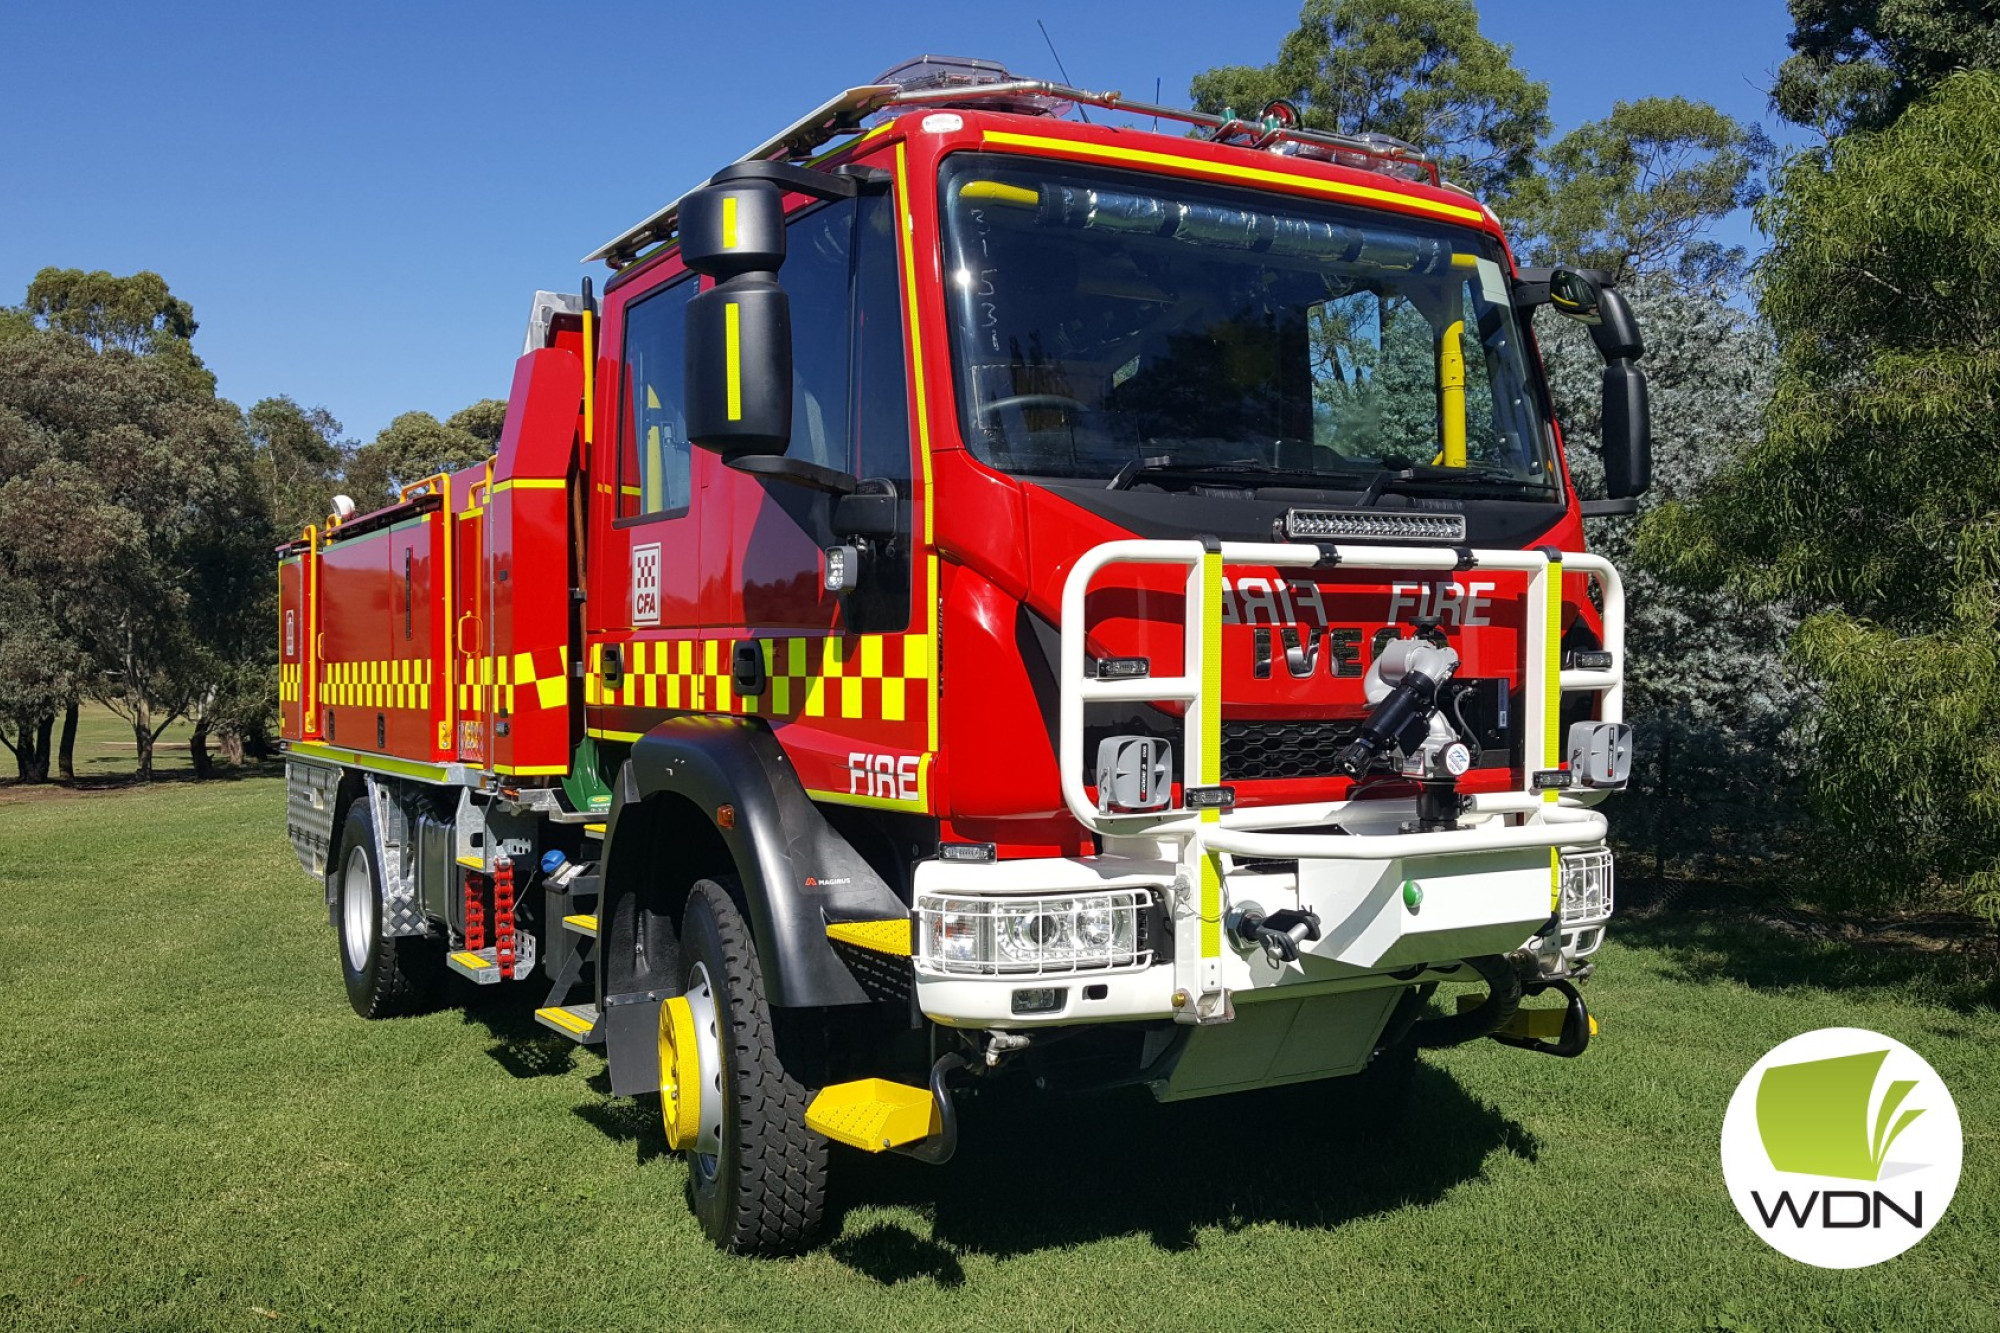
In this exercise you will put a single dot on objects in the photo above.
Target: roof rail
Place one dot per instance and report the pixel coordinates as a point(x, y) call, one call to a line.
point(842, 116)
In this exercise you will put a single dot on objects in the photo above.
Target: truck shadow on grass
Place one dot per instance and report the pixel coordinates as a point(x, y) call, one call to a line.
point(521, 1046)
point(1034, 1174)
point(1042, 1172)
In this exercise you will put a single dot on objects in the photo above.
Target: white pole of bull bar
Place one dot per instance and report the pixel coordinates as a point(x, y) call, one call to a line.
point(1610, 682)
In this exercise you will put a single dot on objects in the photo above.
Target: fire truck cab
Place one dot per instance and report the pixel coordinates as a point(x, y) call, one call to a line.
point(981, 593)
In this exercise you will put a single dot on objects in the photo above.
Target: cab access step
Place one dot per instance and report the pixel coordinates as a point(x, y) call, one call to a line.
point(879, 1115)
point(570, 901)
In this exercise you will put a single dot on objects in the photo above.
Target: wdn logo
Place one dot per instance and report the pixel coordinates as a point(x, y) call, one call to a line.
point(1824, 1111)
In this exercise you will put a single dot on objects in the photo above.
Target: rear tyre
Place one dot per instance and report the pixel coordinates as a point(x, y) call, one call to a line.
point(386, 977)
point(763, 1190)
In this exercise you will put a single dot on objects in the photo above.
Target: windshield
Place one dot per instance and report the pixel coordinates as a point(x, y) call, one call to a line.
point(1118, 326)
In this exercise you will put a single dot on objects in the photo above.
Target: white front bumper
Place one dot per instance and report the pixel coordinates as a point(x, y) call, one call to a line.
point(1383, 923)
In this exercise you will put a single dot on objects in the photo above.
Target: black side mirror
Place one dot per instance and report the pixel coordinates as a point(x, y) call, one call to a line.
point(1588, 297)
point(1627, 412)
point(1575, 293)
point(739, 331)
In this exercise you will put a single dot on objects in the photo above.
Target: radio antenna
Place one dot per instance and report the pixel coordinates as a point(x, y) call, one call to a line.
point(1059, 67)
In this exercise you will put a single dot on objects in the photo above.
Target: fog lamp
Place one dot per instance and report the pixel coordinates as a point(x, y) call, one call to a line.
point(1041, 1000)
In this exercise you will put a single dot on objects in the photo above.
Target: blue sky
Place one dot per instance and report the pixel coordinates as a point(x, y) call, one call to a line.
point(360, 199)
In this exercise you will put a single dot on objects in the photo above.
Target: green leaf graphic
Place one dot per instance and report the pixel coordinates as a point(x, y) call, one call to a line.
point(1901, 1125)
point(1890, 1101)
point(1813, 1117)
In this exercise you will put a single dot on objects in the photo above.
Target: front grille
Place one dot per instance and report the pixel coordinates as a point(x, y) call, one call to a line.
point(1302, 749)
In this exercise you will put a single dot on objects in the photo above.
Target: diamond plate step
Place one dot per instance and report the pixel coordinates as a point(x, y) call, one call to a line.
point(477, 964)
point(575, 1021)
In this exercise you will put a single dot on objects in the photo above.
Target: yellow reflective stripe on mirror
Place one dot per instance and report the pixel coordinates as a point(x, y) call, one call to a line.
point(732, 351)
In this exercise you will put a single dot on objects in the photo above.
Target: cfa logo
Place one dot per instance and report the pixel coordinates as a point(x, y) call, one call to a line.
point(1841, 1148)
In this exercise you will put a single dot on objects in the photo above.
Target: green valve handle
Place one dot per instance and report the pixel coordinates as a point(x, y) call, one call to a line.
point(1413, 894)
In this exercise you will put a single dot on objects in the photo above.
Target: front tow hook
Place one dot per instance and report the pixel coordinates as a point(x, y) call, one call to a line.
point(1577, 1025)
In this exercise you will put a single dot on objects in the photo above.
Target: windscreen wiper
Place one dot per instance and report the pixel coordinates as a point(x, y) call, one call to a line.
point(1419, 476)
point(1235, 467)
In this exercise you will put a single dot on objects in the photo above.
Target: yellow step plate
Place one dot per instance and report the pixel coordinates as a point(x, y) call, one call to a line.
point(569, 1019)
point(582, 924)
point(873, 1114)
point(890, 937)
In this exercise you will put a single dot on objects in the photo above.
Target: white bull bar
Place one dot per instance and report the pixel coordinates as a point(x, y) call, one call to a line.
point(1541, 817)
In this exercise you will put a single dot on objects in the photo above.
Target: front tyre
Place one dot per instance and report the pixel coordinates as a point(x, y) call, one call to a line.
point(386, 977)
point(757, 1177)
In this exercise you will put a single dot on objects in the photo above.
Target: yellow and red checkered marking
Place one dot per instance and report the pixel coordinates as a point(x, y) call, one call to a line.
point(537, 679)
point(398, 683)
point(875, 676)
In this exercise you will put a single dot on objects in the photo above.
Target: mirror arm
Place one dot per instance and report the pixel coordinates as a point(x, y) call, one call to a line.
point(1531, 288)
point(1617, 333)
point(799, 180)
point(1609, 508)
point(795, 472)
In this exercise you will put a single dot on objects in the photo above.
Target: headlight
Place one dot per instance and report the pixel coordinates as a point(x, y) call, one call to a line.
point(1586, 888)
point(1067, 933)
point(958, 935)
point(1586, 901)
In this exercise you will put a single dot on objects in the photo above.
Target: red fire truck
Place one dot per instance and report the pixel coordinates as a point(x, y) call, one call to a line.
point(985, 593)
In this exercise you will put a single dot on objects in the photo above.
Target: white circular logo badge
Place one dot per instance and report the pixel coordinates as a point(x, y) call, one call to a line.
point(1841, 1148)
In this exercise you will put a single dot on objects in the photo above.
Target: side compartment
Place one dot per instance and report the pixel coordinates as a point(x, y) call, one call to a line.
point(310, 806)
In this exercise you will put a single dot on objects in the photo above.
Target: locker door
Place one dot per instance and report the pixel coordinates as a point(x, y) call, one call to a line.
point(472, 634)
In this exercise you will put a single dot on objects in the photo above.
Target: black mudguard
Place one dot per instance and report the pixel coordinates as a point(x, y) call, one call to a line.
point(797, 872)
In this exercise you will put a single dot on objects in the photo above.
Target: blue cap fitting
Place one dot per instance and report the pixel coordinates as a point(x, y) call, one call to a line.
point(552, 861)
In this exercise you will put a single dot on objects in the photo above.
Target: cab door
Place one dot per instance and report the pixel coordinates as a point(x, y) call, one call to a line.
point(846, 677)
point(644, 607)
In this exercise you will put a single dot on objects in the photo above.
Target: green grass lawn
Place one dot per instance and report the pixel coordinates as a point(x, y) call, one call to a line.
point(196, 1132)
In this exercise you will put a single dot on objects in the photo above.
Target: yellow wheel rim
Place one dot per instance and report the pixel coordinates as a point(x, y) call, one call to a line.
point(680, 1073)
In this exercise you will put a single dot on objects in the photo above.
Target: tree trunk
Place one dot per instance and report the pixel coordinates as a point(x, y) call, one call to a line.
point(142, 735)
point(31, 747)
point(232, 746)
point(66, 756)
point(198, 751)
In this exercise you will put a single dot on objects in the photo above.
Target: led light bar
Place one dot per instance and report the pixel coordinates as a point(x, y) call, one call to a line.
point(1373, 525)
